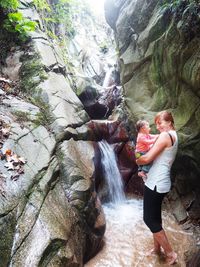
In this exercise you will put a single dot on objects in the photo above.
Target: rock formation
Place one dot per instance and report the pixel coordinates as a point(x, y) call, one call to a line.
point(50, 213)
point(158, 46)
point(159, 62)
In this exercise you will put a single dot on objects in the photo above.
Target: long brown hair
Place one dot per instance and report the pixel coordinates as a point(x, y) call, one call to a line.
point(166, 116)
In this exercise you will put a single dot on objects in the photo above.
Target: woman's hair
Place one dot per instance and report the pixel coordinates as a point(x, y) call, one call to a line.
point(139, 124)
point(166, 116)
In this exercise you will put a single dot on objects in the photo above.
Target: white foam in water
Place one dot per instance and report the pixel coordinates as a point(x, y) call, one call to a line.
point(123, 213)
point(127, 238)
point(111, 173)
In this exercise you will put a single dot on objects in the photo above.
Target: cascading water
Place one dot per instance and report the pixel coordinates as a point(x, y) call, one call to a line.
point(127, 238)
point(111, 172)
point(108, 78)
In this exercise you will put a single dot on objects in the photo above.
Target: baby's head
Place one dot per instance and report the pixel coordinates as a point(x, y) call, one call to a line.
point(142, 126)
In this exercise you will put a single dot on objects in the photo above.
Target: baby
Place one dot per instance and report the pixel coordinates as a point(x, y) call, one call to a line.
point(143, 143)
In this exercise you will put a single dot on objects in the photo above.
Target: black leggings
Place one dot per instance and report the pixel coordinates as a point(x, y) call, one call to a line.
point(152, 209)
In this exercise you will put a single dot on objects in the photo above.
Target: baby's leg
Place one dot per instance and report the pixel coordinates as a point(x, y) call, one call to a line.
point(143, 175)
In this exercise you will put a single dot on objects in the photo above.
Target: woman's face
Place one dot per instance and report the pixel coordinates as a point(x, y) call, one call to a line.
point(163, 126)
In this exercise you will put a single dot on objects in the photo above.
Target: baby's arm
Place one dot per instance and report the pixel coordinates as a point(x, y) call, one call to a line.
point(154, 137)
point(143, 139)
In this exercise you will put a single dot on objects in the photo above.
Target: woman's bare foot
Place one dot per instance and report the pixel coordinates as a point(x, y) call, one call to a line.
point(171, 258)
point(153, 252)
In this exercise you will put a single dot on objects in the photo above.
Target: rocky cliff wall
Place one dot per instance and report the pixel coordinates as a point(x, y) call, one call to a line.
point(159, 56)
point(52, 200)
point(50, 214)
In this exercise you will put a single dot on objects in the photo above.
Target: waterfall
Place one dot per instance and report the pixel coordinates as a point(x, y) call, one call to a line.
point(111, 172)
point(108, 78)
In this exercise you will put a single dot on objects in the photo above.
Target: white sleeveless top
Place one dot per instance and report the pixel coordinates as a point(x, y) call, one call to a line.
point(159, 173)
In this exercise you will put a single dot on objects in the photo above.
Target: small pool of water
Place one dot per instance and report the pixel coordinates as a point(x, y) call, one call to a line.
point(127, 238)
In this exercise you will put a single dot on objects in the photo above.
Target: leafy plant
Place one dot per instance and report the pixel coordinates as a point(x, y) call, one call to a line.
point(44, 117)
point(188, 13)
point(16, 23)
point(9, 4)
point(22, 116)
point(32, 73)
point(173, 4)
point(42, 5)
point(63, 12)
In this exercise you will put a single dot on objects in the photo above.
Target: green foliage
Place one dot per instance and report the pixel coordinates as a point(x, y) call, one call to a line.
point(64, 12)
point(16, 23)
point(173, 5)
point(42, 5)
point(32, 73)
point(170, 3)
point(9, 4)
point(187, 12)
point(22, 116)
point(104, 47)
point(52, 35)
point(45, 116)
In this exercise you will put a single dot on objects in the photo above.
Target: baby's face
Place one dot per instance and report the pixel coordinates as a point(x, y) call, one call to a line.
point(146, 129)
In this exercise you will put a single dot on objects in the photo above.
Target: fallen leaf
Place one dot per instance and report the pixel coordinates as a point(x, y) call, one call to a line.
point(8, 152)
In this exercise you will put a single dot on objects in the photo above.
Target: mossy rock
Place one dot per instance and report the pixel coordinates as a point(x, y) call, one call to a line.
point(7, 229)
point(32, 72)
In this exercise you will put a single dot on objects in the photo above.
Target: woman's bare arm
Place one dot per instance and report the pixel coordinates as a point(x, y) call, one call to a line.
point(161, 143)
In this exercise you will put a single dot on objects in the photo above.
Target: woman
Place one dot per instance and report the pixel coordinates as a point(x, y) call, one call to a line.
point(158, 181)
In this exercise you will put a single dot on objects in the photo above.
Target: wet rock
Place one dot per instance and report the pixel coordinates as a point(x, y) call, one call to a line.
point(96, 110)
point(177, 207)
point(128, 168)
point(159, 66)
point(7, 231)
point(114, 130)
point(13, 64)
point(101, 105)
point(195, 260)
point(31, 196)
point(78, 189)
point(65, 106)
point(17, 106)
point(111, 98)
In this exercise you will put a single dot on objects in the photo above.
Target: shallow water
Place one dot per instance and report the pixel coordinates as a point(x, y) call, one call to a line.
point(127, 239)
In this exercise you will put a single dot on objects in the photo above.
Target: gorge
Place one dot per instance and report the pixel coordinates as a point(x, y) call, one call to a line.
point(54, 111)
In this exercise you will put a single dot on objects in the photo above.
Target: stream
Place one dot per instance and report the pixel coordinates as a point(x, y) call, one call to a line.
point(127, 238)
